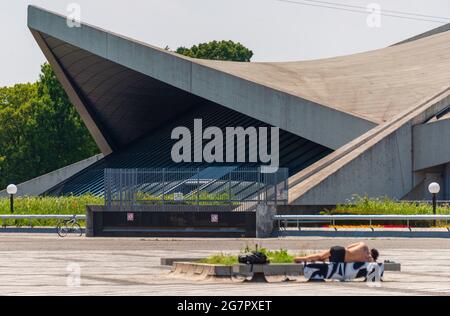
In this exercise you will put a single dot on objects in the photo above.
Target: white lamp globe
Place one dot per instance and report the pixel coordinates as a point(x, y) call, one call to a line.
point(434, 188)
point(11, 189)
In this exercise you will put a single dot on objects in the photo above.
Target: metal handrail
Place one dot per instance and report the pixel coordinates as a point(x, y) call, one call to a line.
point(30, 218)
point(37, 216)
point(441, 202)
point(333, 218)
point(363, 217)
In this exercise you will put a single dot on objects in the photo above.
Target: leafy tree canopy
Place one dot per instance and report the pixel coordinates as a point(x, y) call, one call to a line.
point(218, 50)
point(40, 130)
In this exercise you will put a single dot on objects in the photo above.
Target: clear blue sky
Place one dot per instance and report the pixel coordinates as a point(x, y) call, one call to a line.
point(274, 30)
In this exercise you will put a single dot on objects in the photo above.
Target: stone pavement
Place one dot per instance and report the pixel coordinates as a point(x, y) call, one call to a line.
point(43, 264)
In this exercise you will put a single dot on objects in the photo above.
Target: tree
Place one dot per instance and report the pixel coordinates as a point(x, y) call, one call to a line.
point(15, 105)
point(40, 130)
point(218, 50)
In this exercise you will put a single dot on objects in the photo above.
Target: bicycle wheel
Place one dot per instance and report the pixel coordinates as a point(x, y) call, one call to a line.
point(75, 229)
point(62, 229)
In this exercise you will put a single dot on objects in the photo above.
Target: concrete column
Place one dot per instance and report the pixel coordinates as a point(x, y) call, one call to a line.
point(89, 222)
point(264, 220)
point(446, 183)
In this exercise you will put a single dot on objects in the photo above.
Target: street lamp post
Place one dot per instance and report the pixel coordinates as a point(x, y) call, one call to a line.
point(11, 190)
point(434, 189)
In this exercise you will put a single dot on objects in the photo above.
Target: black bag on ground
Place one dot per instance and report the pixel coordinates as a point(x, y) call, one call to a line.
point(253, 258)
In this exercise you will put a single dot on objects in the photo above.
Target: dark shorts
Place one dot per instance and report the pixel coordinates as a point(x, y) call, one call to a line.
point(337, 254)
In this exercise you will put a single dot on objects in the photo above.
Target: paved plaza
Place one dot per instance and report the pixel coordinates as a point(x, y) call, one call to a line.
point(43, 264)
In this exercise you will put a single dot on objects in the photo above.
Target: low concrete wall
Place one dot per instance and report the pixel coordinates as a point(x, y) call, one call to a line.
point(39, 185)
point(102, 221)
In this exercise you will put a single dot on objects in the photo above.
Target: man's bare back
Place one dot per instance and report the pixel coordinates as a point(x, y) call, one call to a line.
point(358, 252)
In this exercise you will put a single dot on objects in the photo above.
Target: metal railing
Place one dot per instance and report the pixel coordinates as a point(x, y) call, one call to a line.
point(429, 202)
point(221, 188)
point(284, 220)
point(32, 217)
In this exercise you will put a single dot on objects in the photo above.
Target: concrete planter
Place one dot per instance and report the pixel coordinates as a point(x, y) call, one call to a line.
point(171, 261)
point(258, 272)
point(194, 268)
point(191, 269)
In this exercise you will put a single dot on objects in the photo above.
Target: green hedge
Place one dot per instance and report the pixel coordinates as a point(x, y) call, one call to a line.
point(384, 206)
point(47, 206)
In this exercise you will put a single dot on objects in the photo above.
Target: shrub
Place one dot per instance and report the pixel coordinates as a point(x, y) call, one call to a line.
point(277, 256)
point(385, 206)
point(47, 206)
point(221, 259)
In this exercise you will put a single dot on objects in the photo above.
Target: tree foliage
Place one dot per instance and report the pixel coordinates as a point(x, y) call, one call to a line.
point(218, 50)
point(40, 130)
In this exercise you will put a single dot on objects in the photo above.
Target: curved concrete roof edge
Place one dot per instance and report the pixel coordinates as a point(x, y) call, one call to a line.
point(440, 29)
point(316, 122)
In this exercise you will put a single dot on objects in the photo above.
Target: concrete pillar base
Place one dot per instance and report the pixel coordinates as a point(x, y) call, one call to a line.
point(264, 220)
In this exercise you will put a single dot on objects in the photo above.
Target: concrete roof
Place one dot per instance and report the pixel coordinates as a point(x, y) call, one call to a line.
point(330, 101)
point(440, 29)
point(374, 85)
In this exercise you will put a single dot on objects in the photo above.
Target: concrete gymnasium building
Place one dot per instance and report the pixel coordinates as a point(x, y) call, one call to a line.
point(375, 123)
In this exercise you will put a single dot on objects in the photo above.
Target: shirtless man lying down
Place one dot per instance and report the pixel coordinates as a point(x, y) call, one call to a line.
point(358, 252)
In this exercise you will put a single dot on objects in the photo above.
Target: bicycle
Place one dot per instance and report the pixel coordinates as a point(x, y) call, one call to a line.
point(69, 226)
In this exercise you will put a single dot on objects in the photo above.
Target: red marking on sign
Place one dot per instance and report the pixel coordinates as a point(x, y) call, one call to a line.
point(130, 217)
